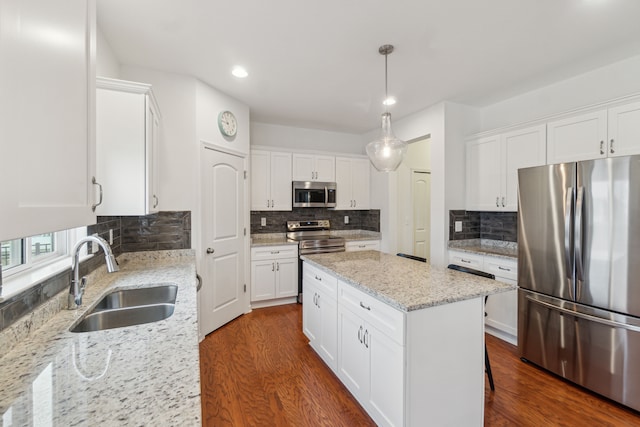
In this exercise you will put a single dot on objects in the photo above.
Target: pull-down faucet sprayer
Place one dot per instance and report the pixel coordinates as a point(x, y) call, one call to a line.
point(76, 289)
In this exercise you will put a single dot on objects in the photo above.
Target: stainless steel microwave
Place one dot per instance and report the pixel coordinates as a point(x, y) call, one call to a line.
point(310, 194)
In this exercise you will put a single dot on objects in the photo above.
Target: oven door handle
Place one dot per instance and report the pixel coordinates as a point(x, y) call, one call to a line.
point(322, 250)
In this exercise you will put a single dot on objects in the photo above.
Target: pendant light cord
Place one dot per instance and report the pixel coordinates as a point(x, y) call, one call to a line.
point(386, 91)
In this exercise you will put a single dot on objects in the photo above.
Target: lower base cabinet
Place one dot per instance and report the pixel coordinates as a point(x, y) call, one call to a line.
point(274, 272)
point(423, 367)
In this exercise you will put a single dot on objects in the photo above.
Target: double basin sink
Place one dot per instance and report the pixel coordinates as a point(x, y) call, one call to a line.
point(130, 307)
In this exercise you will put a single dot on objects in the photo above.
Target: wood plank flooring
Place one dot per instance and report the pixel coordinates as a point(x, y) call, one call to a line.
point(259, 370)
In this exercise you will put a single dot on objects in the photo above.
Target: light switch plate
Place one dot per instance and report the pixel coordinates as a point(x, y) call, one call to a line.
point(458, 226)
point(263, 222)
point(346, 219)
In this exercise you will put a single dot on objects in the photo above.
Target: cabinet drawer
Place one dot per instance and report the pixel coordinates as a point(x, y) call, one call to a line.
point(274, 252)
point(501, 267)
point(323, 280)
point(362, 245)
point(385, 318)
point(466, 259)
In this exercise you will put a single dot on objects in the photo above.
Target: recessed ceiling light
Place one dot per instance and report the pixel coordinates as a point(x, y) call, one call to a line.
point(389, 101)
point(239, 72)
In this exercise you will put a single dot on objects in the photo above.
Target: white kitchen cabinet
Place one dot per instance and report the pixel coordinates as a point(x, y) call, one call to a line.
point(502, 308)
point(581, 137)
point(362, 245)
point(128, 140)
point(47, 126)
point(274, 272)
point(370, 362)
point(623, 126)
point(493, 163)
point(320, 313)
point(313, 167)
point(352, 178)
point(270, 181)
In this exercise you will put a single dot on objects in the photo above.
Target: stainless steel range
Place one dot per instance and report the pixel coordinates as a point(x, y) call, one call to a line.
point(313, 237)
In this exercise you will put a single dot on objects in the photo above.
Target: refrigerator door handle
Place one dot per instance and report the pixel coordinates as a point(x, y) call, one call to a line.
point(578, 239)
point(585, 316)
point(568, 235)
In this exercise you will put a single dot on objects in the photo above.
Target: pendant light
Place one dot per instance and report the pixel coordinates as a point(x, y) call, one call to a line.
point(386, 152)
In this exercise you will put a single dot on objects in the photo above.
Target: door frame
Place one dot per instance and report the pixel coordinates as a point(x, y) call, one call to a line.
point(199, 245)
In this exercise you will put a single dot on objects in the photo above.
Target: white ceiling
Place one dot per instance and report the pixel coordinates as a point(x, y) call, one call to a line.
point(316, 64)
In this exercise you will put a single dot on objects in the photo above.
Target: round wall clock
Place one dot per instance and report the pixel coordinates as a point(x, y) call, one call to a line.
point(227, 123)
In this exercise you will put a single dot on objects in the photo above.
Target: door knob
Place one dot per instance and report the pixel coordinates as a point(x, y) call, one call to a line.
point(210, 250)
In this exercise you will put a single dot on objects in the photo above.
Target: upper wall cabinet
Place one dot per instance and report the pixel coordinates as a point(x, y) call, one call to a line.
point(493, 163)
point(270, 181)
point(309, 167)
point(352, 179)
point(47, 133)
point(598, 134)
point(128, 137)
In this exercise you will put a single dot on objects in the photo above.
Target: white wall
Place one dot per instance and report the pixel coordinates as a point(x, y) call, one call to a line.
point(107, 64)
point(209, 103)
point(293, 138)
point(606, 83)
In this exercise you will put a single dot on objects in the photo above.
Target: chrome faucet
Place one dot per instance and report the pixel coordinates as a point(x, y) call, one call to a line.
point(76, 290)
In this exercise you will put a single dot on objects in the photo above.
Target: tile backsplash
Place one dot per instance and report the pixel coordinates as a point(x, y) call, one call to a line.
point(163, 230)
point(484, 225)
point(277, 220)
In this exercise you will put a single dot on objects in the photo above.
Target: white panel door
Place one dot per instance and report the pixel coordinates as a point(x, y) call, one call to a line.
point(328, 340)
point(582, 137)
point(222, 295)
point(311, 316)
point(421, 189)
point(386, 393)
point(624, 130)
point(303, 167)
point(287, 277)
point(520, 149)
point(263, 280)
point(281, 198)
point(353, 357)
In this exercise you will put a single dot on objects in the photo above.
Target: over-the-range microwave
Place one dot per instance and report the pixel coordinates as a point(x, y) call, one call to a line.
point(311, 194)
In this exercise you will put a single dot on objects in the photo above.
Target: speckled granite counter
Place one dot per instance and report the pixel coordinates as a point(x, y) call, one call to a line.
point(139, 375)
point(497, 248)
point(270, 239)
point(403, 283)
point(274, 239)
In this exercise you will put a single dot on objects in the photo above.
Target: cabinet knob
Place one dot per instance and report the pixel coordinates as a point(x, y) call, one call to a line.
point(210, 250)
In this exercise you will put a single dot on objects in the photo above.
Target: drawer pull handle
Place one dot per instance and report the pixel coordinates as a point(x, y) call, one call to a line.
point(465, 261)
point(366, 307)
point(319, 278)
point(504, 268)
point(275, 252)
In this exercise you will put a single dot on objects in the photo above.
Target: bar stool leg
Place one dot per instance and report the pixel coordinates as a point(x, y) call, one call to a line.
point(487, 366)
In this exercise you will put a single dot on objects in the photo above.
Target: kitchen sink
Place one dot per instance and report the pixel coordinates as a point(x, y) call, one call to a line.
point(129, 307)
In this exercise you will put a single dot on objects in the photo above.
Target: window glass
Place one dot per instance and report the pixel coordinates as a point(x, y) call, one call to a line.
point(43, 244)
point(12, 253)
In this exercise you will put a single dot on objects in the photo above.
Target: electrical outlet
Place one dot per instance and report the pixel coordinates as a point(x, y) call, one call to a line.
point(263, 222)
point(458, 226)
point(111, 236)
point(94, 245)
point(346, 219)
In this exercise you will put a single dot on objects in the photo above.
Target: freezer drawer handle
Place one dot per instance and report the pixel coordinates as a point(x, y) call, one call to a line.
point(585, 316)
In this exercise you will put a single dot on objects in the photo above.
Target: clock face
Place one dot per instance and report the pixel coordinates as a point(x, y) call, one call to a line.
point(227, 123)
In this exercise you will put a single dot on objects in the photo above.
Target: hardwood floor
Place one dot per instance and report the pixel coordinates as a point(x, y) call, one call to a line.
point(259, 370)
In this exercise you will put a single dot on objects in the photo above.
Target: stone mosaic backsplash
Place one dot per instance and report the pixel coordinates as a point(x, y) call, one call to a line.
point(164, 230)
point(484, 225)
point(277, 220)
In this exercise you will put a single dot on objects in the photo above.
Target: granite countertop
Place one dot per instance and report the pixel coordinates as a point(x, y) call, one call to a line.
point(138, 375)
point(404, 283)
point(274, 239)
point(497, 248)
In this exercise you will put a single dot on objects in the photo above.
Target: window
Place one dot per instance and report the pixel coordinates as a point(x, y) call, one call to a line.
point(20, 254)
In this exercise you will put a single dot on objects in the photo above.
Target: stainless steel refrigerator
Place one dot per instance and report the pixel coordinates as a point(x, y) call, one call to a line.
point(579, 273)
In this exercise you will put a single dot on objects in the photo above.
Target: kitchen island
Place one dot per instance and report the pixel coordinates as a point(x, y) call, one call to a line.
point(145, 374)
point(405, 338)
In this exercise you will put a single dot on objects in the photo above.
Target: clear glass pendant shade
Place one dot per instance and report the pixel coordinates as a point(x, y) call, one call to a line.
point(386, 152)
